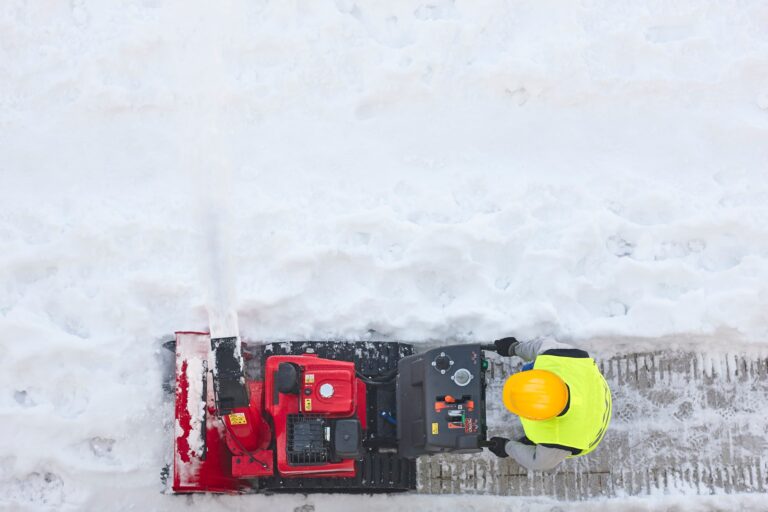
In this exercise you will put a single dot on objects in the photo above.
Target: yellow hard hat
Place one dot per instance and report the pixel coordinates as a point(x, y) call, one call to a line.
point(535, 394)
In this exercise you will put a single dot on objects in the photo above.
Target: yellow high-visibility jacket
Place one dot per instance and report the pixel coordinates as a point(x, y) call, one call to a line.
point(588, 413)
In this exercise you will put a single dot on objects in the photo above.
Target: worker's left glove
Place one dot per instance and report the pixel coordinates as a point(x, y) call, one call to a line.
point(506, 346)
point(498, 446)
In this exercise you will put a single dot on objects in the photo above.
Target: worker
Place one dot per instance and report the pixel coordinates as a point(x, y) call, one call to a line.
point(561, 398)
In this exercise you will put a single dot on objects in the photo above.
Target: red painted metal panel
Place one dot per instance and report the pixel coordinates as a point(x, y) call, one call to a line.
point(261, 464)
point(201, 461)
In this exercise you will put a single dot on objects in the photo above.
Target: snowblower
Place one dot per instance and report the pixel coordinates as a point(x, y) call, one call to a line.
point(320, 416)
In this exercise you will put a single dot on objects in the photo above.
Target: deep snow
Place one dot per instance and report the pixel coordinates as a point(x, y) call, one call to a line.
point(425, 170)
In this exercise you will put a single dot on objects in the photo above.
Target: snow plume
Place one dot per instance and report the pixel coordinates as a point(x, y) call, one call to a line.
point(202, 84)
point(218, 273)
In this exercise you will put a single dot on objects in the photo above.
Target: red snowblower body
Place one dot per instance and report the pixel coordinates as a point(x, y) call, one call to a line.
point(319, 416)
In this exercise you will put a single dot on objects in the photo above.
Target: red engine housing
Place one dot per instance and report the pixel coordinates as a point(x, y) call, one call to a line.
point(348, 400)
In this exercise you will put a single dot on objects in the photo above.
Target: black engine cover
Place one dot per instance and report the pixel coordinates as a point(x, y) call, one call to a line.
point(347, 439)
point(306, 442)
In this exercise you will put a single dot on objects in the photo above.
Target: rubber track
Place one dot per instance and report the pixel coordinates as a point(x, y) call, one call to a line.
point(683, 423)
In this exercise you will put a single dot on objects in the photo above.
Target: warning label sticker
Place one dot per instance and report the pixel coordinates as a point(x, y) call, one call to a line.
point(435, 428)
point(237, 418)
point(309, 378)
point(307, 404)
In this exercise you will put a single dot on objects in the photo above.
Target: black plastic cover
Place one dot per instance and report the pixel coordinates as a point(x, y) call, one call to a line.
point(306, 444)
point(228, 377)
point(347, 439)
point(424, 428)
point(288, 378)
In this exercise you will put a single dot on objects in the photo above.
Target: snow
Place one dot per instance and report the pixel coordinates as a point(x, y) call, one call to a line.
point(432, 170)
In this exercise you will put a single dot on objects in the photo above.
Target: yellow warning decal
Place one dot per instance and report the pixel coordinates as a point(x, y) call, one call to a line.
point(435, 428)
point(309, 378)
point(237, 418)
point(307, 404)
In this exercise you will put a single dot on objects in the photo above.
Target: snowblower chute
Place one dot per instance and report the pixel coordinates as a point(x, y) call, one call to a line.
point(319, 416)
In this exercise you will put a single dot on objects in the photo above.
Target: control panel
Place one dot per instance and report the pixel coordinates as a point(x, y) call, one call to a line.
point(441, 401)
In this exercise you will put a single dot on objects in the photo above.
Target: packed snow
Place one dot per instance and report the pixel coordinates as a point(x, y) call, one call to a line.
point(428, 170)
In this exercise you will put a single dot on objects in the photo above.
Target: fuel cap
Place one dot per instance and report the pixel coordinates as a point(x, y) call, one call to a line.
point(442, 363)
point(326, 390)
